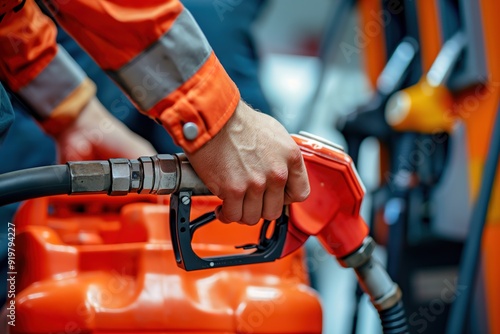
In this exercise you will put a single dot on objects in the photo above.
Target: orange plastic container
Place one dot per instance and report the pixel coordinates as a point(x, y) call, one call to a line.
point(98, 264)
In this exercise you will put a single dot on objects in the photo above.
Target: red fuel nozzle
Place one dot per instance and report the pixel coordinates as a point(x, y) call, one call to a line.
point(332, 210)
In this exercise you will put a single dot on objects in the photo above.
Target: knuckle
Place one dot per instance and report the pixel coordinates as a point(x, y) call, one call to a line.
point(236, 191)
point(258, 185)
point(295, 156)
point(232, 217)
point(230, 213)
point(214, 188)
point(303, 195)
point(223, 219)
point(250, 221)
point(279, 177)
point(272, 215)
point(298, 195)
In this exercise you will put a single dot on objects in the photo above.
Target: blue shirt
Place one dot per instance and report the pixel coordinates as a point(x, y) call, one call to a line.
point(6, 113)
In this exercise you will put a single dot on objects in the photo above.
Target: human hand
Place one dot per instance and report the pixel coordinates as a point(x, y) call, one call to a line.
point(254, 166)
point(96, 134)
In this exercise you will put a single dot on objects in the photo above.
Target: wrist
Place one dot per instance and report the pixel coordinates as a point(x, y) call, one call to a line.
point(69, 110)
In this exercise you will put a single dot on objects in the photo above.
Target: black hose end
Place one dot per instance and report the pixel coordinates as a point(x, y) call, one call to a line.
point(394, 320)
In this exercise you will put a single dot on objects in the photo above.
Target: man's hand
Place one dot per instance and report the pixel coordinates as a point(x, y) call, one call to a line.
point(254, 166)
point(96, 134)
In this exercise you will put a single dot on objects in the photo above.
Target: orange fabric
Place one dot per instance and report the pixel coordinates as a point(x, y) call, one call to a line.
point(115, 31)
point(7, 6)
point(27, 45)
point(208, 99)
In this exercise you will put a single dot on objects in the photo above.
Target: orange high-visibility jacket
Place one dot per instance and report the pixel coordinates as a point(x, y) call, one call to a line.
point(153, 49)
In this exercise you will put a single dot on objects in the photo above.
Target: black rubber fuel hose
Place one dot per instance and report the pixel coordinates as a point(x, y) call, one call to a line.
point(34, 182)
point(394, 320)
point(460, 308)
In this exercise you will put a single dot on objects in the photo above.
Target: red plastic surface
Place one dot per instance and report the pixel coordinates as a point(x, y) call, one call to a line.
point(332, 210)
point(98, 264)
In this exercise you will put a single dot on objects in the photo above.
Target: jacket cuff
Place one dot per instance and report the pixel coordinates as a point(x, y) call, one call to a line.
point(58, 93)
point(179, 82)
point(58, 80)
point(69, 109)
point(197, 114)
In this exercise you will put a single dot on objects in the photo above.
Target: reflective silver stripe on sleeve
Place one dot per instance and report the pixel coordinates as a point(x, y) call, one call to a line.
point(166, 65)
point(56, 81)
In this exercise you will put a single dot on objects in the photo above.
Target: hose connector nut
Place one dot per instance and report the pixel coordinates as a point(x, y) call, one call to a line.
point(359, 257)
point(90, 177)
point(148, 175)
point(120, 177)
point(389, 299)
point(166, 168)
point(136, 176)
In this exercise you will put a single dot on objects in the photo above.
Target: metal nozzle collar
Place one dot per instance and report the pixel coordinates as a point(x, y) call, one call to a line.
point(360, 256)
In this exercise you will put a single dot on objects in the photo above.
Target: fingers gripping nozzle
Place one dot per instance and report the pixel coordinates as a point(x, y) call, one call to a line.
point(172, 174)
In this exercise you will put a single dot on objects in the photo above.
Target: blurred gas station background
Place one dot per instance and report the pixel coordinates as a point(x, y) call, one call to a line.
point(314, 71)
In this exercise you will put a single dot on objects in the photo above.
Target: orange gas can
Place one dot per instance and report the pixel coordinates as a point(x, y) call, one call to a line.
point(98, 264)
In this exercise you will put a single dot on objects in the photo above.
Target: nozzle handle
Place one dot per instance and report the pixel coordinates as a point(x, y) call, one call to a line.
point(182, 231)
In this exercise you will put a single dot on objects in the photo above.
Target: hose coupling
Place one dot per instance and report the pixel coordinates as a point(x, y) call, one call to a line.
point(161, 174)
point(372, 276)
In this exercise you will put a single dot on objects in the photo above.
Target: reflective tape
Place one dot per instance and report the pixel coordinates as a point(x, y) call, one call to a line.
point(53, 85)
point(166, 65)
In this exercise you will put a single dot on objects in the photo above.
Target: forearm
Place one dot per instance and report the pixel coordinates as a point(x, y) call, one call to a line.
point(161, 59)
point(47, 79)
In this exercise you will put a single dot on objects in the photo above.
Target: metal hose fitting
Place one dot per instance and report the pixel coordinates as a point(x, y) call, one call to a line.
point(162, 174)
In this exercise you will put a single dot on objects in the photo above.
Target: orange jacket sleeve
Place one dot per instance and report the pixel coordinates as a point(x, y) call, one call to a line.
point(152, 48)
point(157, 53)
point(39, 71)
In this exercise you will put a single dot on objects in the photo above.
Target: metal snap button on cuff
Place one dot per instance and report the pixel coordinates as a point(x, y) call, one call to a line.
point(190, 131)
